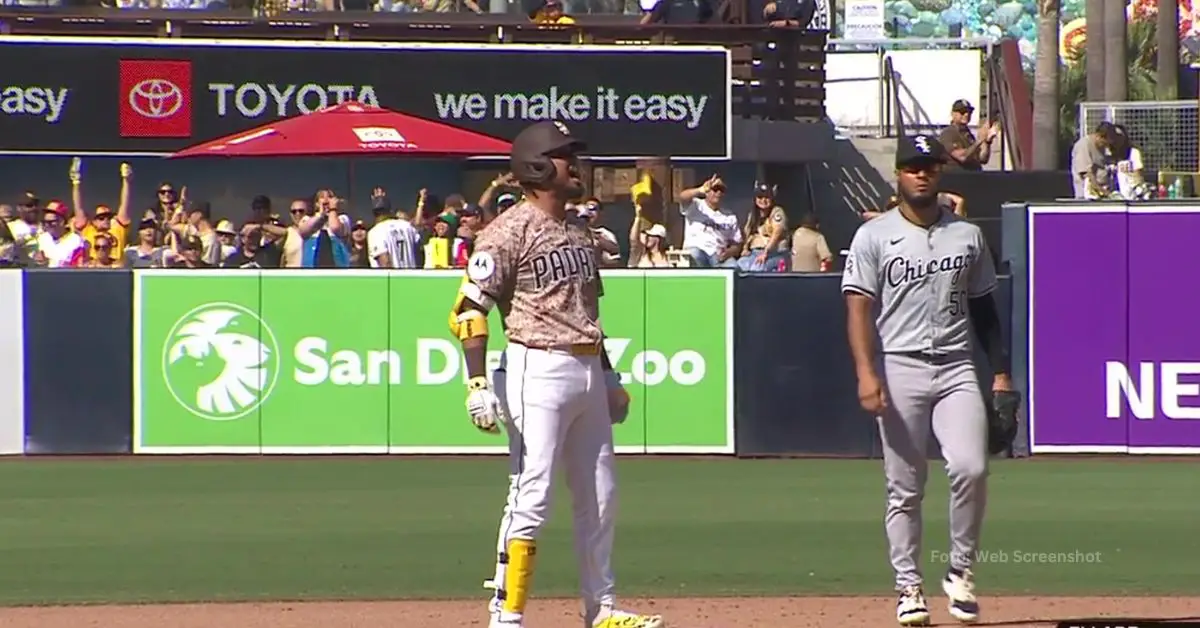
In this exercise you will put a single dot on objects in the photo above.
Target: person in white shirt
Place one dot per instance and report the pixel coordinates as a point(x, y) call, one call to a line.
point(227, 236)
point(1130, 182)
point(15, 233)
point(23, 225)
point(606, 240)
point(392, 242)
point(57, 246)
point(710, 234)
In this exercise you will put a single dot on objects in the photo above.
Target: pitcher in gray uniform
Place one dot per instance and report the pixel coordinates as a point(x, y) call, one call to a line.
point(919, 279)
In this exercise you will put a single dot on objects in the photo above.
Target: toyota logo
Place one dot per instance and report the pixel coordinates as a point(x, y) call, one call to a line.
point(156, 98)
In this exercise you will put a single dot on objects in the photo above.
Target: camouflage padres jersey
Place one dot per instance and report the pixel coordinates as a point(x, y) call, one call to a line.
point(543, 274)
point(921, 279)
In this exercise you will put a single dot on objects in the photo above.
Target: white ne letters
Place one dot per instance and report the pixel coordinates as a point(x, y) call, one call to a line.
point(1120, 387)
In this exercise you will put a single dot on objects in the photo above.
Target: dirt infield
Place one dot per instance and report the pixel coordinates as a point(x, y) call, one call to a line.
point(799, 612)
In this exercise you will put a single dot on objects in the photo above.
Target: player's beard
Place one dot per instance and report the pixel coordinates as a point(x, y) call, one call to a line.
point(919, 200)
point(572, 188)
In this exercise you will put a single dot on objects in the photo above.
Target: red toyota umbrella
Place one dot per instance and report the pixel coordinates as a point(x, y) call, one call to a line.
point(351, 129)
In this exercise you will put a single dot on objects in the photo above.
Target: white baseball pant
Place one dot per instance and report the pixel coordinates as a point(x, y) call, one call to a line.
point(557, 404)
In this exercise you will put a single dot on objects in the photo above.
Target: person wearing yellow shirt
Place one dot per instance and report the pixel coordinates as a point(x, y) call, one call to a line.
point(552, 13)
point(104, 220)
point(439, 249)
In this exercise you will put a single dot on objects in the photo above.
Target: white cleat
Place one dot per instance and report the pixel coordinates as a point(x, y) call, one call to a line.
point(911, 609)
point(960, 588)
point(500, 619)
point(609, 617)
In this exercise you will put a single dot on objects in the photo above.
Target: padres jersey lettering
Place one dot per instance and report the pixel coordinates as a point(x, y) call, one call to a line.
point(922, 279)
point(543, 274)
point(568, 263)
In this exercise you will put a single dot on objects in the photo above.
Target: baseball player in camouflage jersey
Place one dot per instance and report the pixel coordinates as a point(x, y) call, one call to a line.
point(931, 276)
point(555, 387)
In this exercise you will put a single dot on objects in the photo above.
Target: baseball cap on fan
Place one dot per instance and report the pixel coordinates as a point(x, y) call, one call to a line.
point(505, 201)
point(962, 105)
point(381, 206)
point(656, 230)
point(58, 208)
point(29, 200)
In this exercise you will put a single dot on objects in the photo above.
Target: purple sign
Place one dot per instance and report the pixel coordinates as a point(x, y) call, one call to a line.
point(1114, 362)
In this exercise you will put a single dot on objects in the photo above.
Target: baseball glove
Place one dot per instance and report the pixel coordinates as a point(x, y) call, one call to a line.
point(1002, 420)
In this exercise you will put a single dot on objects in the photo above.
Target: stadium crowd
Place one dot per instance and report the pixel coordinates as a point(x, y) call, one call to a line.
point(317, 231)
point(540, 11)
point(775, 13)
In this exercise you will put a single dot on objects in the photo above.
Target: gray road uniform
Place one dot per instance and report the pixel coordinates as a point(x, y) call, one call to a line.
point(921, 280)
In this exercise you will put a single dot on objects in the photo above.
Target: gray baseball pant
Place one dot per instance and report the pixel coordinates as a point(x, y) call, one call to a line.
point(942, 393)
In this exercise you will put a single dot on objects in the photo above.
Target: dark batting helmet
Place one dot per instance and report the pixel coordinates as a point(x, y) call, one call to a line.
point(530, 160)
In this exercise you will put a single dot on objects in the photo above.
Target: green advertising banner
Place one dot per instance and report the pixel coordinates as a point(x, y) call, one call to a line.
point(280, 361)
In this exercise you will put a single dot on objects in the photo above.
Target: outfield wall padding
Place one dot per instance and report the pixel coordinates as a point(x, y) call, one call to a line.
point(78, 364)
point(793, 387)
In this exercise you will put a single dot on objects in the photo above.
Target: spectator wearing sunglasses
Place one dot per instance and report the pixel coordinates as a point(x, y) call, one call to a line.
point(710, 232)
point(104, 252)
point(227, 236)
point(766, 225)
point(103, 221)
point(164, 208)
point(306, 221)
point(58, 246)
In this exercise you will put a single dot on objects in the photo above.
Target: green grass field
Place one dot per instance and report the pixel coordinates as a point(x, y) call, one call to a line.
point(128, 530)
